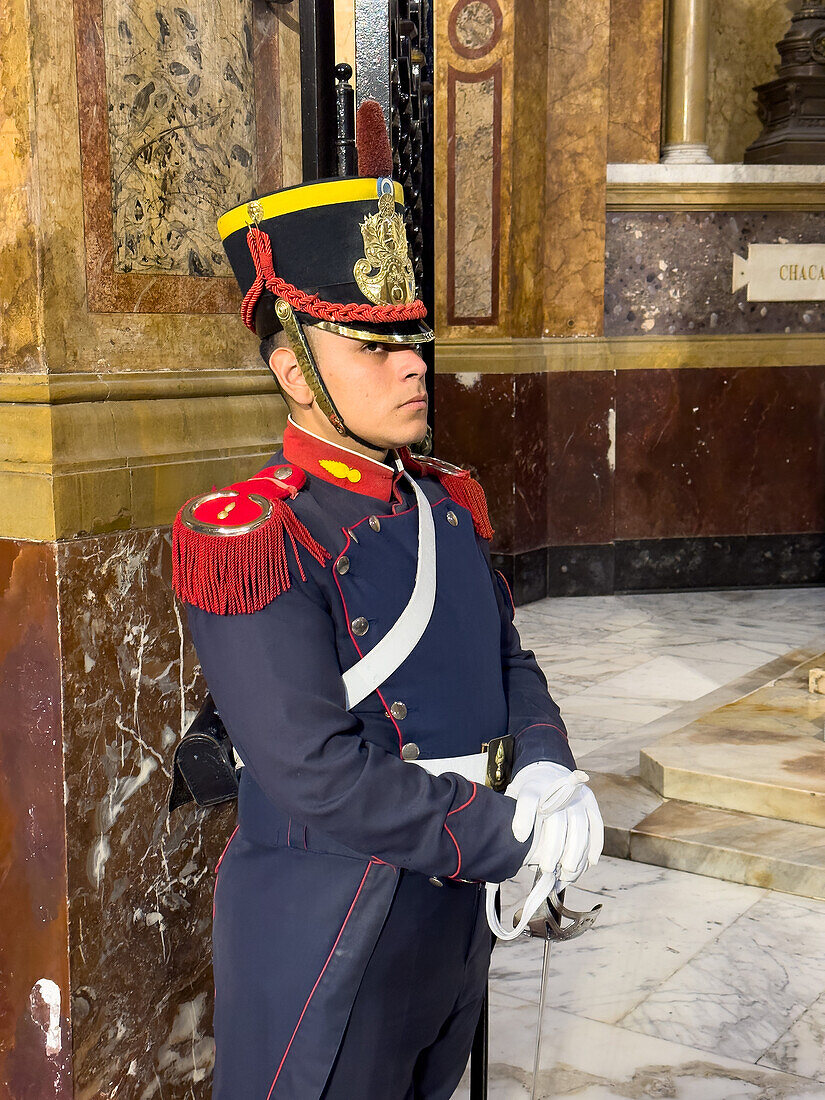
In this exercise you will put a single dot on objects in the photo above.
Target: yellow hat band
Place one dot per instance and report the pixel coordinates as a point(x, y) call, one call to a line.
point(306, 197)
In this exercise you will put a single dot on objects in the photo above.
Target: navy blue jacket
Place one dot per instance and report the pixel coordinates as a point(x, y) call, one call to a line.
point(332, 782)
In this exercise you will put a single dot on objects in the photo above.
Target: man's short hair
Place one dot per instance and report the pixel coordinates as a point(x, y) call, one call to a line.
point(280, 339)
point(270, 343)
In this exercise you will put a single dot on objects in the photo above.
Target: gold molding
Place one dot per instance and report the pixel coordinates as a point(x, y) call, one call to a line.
point(86, 455)
point(656, 195)
point(597, 353)
point(58, 389)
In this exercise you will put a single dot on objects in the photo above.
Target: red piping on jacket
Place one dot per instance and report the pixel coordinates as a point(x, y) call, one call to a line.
point(509, 590)
point(348, 532)
point(546, 726)
point(318, 980)
point(457, 846)
point(218, 867)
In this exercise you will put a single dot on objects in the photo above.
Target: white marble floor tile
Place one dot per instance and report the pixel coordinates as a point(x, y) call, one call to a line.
point(653, 921)
point(662, 678)
point(616, 710)
point(586, 1059)
point(756, 652)
point(742, 991)
point(802, 1047)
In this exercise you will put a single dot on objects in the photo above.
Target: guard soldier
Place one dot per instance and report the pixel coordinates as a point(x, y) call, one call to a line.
point(362, 655)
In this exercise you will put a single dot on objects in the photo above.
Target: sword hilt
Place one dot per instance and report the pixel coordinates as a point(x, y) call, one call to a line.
point(548, 921)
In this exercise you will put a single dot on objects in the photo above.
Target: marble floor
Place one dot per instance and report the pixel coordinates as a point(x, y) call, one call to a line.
point(688, 987)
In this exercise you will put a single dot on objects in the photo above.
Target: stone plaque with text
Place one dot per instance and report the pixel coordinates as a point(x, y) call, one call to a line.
point(781, 272)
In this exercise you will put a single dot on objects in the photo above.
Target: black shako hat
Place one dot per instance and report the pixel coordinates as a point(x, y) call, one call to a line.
point(336, 251)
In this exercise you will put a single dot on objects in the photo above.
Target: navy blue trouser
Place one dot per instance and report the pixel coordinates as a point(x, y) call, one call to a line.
point(413, 1020)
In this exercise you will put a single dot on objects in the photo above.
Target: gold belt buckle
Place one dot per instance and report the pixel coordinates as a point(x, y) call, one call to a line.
point(500, 753)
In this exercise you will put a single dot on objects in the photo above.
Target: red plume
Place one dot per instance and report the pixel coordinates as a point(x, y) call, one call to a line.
point(374, 153)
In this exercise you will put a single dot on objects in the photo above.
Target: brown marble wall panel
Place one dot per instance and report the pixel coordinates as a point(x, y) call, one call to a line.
point(531, 443)
point(140, 884)
point(470, 410)
point(669, 273)
point(35, 1031)
point(580, 450)
point(549, 475)
point(576, 158)
point(720, 452)
point(494, 423)
point(636, 55)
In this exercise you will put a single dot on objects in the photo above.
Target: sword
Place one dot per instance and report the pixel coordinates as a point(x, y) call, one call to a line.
point(548, 923)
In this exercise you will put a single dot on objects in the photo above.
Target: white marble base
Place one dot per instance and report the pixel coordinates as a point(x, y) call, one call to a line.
point(715, 173)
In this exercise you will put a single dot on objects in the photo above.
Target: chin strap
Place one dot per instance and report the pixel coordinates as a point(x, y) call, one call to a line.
point(309, 369)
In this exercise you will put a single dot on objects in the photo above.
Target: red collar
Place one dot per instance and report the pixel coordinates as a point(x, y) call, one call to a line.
point(338, 465)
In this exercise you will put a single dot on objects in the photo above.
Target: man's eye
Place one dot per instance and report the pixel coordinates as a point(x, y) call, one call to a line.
point(371, 347)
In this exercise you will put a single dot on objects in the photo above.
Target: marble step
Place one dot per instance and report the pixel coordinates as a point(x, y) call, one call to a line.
point(737, 847)
point(763, 754)
point(746, 848)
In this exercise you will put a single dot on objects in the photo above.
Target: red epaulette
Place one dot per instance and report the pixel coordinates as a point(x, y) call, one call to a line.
point(229, 546)
point(461, 486)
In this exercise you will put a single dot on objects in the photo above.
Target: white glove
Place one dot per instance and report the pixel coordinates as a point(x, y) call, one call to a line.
point(561, 812)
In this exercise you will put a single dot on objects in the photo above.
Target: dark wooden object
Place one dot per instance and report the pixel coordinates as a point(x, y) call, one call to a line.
point(792, 107)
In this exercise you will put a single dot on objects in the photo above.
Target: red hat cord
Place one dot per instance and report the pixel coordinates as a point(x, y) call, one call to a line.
point(260, 247)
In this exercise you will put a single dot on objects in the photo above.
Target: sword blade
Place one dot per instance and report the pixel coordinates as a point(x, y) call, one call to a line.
point(545, 975)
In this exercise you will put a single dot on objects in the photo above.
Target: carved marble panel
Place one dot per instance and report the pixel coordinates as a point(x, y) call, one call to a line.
point(191, 96)
point(179, 89)
point(473, 185)
point(473, 169)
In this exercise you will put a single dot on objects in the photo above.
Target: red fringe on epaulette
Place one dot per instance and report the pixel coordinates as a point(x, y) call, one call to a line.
point(238, 574)
point(467, 492)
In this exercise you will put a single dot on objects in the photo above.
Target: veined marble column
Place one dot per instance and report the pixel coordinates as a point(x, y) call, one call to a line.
point(687, 84)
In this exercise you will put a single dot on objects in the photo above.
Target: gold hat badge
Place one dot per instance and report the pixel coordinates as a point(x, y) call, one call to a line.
point(385, 275)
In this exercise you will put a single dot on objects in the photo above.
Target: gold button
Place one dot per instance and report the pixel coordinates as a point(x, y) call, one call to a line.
point(342, 565)
point(436, 881)
point(352, 535)
point(360, 626)
point(375, 523)
point(410, 751)
point(399, 711)
point(452, 519)
point(283, 473)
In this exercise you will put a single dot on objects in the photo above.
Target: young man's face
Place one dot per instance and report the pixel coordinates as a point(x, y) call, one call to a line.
point(378, 388)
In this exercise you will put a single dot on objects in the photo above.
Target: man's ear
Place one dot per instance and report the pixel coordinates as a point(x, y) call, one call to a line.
point(289, 377)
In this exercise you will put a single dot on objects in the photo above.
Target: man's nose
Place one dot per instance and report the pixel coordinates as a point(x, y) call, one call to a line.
point(410, 363)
